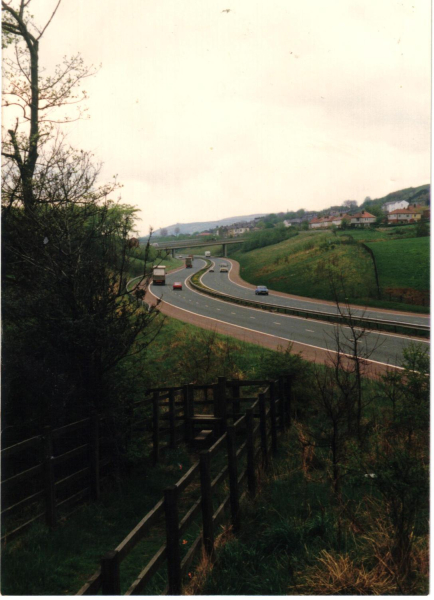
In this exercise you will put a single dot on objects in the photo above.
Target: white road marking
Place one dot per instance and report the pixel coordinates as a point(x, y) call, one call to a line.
point(276, 323)
point(323, 323)
point(377, 362)
point(311, 330)
point(233, 313)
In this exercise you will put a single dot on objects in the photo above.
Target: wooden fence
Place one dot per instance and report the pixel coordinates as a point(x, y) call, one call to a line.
point(55, 471)
point(249, 440)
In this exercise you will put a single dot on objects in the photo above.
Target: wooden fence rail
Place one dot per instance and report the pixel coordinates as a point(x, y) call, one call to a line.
point(247, 442)
point(39, 472)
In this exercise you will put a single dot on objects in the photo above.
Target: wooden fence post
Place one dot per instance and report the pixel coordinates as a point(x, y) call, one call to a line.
point(94, 456)
point(282, 403)
point(50, 490)
point(236, 404)
point(172, 537)
point(172, 418)
point(251, 471)
point(190, 411)
point(263, 428)
point(206, 502)
point(222, 402)
point(233, 478)
point(288, 400)
point(273, 419)
point(186, 422)
point(110, 575)
point(155, 428)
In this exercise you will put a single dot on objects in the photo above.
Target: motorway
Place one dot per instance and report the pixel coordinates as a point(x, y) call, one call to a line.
point(229, 285)
point(309, 336)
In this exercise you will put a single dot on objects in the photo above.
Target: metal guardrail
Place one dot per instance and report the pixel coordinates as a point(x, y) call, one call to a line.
point(367, 322)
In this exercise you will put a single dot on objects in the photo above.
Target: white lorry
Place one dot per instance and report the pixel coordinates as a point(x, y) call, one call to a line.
point(159, 275)
point(207, 254)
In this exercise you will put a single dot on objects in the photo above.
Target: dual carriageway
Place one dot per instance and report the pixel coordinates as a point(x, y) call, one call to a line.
point(315, 339)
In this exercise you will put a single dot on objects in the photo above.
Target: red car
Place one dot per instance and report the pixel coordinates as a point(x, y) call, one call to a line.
point(177, 285)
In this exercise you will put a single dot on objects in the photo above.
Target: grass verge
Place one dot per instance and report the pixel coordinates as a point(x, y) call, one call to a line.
point(296, 541)
point(299, 266)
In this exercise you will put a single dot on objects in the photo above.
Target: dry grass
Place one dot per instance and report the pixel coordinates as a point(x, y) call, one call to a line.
point(372, 568)
point(339, 575)
point(198, 577)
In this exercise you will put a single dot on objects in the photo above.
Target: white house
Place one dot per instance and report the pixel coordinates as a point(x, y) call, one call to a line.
point(394, 205)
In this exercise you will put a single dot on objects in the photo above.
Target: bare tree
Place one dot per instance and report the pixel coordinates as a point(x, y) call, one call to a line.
point(34, 99)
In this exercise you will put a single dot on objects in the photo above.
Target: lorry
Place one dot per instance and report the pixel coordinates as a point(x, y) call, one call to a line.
point(189, 261)
point(207, 254)
point(159, 275)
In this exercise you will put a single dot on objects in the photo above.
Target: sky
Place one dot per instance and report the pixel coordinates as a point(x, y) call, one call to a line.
point(208, 109)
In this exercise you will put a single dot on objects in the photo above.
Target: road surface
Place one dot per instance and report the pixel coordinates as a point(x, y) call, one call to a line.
point(314, 339)
point(233, 285)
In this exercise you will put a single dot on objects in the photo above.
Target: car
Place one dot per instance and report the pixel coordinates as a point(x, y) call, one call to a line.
point(261, 289)
point(211, 270)
point(177, 285)
point(224, 268)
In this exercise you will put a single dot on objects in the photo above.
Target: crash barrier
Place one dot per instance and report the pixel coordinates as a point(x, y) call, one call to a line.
point(225, 474)
point(356, 321)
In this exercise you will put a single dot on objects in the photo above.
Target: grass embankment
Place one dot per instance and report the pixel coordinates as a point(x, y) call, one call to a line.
point(304, 266)
point(296, 540)
point(345, 507)
point(44, 562)
point(403, 265)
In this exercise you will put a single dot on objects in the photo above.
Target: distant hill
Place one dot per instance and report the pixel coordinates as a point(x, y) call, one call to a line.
point(417, 194)
point(189, 228)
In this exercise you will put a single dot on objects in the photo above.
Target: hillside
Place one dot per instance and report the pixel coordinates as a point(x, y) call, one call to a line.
point(417, 194)
point(305, 265)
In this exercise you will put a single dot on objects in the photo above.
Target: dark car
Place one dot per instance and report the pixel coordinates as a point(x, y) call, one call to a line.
point(177, 285)
point(261, 289)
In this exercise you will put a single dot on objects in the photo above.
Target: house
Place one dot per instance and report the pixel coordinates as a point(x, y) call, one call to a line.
point(362, 219)
point(404, 215)
point(388, 207)
point(239, 229)
point(290, 222)
point(317, 223)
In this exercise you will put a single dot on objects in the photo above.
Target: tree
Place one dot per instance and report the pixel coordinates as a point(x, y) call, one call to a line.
point(422, 229)
point(36, 98)
point(177, 230)
point(69, 322)
point(164, 232)
point(350, 203)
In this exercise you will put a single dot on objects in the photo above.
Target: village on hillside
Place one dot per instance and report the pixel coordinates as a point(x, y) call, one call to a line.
point(349, 215)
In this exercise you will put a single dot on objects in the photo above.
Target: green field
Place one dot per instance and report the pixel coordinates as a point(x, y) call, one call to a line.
point(299, 265)
point(403, 263)
point(306, 264)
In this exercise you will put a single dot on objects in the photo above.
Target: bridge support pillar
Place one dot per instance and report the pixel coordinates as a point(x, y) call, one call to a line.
point(225, 250)
point(173, 252)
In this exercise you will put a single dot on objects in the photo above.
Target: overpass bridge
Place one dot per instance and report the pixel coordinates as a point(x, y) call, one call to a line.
point(182, 244)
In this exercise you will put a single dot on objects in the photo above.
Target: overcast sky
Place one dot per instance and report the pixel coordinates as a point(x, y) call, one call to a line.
point(206, 113)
